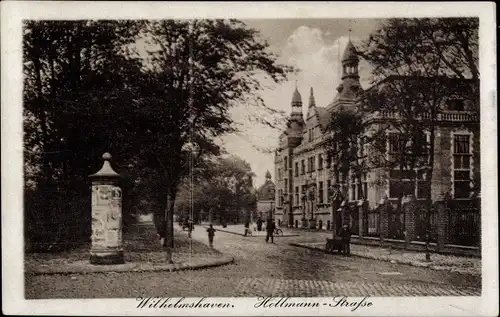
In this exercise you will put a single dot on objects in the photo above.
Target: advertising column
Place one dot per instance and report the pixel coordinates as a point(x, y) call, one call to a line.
point(106, 247)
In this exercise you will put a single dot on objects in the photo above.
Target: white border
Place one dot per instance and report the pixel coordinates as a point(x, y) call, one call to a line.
point(12, 12)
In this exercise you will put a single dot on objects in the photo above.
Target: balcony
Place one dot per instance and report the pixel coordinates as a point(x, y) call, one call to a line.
point(445, 116)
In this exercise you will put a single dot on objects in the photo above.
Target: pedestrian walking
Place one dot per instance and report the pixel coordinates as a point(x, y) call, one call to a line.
point(190, 228)
point(161, 230)
point(345, 234)
point(259, 224)
point(247, 226)
point(211, 235)
point(271, 226)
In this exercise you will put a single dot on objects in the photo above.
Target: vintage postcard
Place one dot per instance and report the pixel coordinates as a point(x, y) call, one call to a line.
point(249, 159)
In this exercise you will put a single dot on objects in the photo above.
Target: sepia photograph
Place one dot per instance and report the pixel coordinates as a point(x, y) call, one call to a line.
point(298, 163)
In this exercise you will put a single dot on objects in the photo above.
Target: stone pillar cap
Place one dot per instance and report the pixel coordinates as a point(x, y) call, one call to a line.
point(106, 170)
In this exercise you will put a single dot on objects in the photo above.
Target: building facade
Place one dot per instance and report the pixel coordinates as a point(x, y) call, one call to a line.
point(304, 172)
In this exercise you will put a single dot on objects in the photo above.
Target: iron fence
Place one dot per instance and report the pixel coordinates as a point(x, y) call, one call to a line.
point(396, 223)
point(372, 222)
point(422, 224)
point(464, 223)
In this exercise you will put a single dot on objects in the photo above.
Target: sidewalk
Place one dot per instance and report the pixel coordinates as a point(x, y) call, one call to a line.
point(240, 230)
point(451, 263)
point(142, 251)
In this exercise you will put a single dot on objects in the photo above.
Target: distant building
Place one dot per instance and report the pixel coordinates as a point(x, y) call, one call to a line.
point(304, 172)
point(265, 198)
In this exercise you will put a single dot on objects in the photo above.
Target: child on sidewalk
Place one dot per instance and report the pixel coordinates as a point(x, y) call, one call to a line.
point(211, 234)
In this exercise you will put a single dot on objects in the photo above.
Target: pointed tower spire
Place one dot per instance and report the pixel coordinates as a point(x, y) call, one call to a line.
point(312, 101)
point(350, 61)
point(296, 105)
point(268, 175)
point(350, 29)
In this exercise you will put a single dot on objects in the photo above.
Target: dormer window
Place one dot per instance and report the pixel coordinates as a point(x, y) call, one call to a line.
point(455, 104)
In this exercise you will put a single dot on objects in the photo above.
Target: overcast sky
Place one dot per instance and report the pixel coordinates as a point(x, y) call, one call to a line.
point(312, 45)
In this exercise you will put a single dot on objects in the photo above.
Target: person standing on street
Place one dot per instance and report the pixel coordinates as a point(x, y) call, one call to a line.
point(345, 234)
point(161, 230)
point(271, 226)
point(211, 235)
point(190, 228)
point(259, 224)
point(247, 226)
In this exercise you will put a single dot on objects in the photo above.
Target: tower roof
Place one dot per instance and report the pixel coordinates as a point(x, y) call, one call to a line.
point(296, 98)
point(268, 175)
point(312, 101)
point(350, 52)
point(267, 190)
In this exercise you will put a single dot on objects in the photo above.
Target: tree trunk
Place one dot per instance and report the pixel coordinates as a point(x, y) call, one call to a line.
point(429, 197)
point(169, 219)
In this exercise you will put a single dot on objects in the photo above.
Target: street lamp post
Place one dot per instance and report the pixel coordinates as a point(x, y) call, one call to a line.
point(312, 220)
point(272, 204)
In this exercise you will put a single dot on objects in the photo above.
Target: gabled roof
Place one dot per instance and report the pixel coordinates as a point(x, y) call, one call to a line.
point(323, 117)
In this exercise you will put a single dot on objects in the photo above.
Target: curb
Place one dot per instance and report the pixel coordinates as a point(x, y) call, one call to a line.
point(153, 268)
point(257, 236)
point(410, 263)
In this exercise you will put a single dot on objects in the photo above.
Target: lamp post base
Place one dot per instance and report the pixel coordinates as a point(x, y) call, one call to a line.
point(106, 257)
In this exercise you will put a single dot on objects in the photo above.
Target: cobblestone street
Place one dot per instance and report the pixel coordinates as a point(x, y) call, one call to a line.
point(262, 268)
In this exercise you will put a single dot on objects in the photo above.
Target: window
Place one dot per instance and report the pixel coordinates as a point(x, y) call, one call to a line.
point(320, 192)
point(343, 183)
point(328, 161)
point(297, 197)
point(296, 169)
point(303, 167)
point(423, 190)
point(455, 104)
point(320, 161)
point(461, 166)
point(364, 183)
point(279, 174)
point(313, 161)
point(310, 135)
point(328, 185)
point(354, 187)
point(280, 193)
point(286, 163)
point(401, 183)
point(396, 146)
point(286, 186)
point(304, 189)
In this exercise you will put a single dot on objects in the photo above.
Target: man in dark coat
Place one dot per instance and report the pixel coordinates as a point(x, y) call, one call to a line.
point(161, 231)
point(271, 226)
point(345, 234)
point(211, 234)
point(247, 226)
point(259, 224)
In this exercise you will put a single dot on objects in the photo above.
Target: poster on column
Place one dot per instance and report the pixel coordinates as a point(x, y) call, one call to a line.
point(101, 195)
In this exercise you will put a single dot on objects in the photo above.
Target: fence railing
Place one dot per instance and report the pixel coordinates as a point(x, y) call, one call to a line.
point(354, 217)
point(464, 224)
point(459, 224)
point(372, 223)
point(424, 222)
point(396, 223)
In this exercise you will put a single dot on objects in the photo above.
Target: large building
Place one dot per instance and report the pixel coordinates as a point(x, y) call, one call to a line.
point(304, 170)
